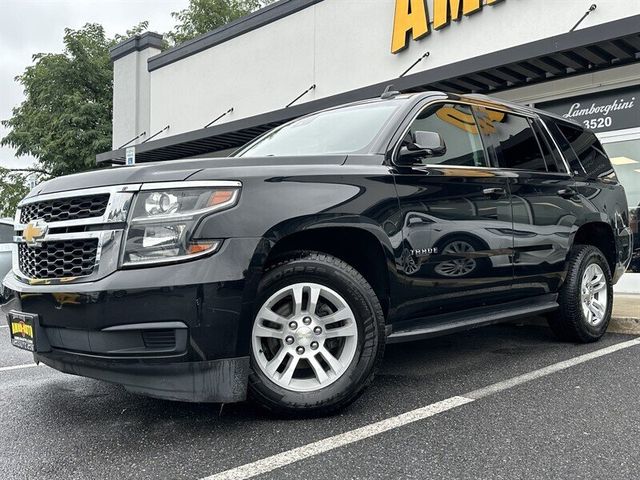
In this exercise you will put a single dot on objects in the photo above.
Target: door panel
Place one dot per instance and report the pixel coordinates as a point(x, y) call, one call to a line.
point(544, 221)
point(457, 225)
point(458, 241)
point(542, 196)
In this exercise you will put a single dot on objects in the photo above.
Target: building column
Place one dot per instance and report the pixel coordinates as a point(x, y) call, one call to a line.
point(131, 87)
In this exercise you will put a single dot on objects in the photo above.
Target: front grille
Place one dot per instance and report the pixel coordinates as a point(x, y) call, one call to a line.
point(75, 208)
point(159, 339)
point(65, 258)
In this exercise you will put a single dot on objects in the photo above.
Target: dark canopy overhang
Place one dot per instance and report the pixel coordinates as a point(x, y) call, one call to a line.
point(595, 48)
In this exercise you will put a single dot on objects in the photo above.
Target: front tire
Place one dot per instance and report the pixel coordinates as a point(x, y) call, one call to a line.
point(586, 298)
point(317, 337)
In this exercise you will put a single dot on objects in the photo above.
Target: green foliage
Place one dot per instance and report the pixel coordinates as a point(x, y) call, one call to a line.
point(65, 119)
point(136, 30)
point(13, 188)
point(202, 16)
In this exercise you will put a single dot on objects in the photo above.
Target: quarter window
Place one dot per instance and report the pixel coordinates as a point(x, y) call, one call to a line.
point(587, 148)
point(512, 139)
point(457, 127)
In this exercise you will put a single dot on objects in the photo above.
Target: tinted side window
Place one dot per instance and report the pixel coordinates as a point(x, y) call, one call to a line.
point(456, 125)
point(587, 148)
point(554, 163)
point(513, 139)
point(565, 147)
point(6, 233)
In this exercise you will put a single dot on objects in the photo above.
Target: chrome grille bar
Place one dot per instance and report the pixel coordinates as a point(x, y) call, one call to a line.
point(86, 253)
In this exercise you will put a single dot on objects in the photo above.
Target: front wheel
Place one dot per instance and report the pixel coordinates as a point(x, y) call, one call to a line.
point(586, 298)
point(317, 337)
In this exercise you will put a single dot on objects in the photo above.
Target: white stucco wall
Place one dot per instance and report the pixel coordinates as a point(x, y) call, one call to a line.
point(131, 96)
point(341, 45)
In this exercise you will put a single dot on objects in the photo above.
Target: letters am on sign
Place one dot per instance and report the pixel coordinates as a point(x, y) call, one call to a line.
point(412, 20)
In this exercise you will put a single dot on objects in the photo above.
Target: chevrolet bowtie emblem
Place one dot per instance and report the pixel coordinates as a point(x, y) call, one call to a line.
point(34, 232)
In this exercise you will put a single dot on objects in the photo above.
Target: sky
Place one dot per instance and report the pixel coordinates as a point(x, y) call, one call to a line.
point(33, 26)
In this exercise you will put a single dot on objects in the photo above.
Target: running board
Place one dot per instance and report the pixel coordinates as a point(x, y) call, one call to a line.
point(476, 317)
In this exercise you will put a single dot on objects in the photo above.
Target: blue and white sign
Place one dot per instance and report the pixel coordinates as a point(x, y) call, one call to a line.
point(130, 156)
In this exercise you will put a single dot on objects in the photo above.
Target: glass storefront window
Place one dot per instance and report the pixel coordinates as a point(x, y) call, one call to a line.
point(625, 157)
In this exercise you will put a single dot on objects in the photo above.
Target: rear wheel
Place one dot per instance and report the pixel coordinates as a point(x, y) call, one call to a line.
point(586, 298)
point(317, 337)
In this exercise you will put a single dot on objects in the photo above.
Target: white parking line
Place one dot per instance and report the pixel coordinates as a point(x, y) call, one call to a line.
point(285, 458)
point(18, 367)
point(543, 372)
point(279, 460)
point(4, 326)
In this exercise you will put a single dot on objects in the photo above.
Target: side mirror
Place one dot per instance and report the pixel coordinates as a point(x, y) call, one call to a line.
point(425, 144)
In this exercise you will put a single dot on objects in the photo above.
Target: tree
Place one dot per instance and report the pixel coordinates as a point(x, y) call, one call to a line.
point(202, 16)
point(13, 187)
point(65, 119)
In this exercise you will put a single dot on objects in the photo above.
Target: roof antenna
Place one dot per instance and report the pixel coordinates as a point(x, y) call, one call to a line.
point(388, 93)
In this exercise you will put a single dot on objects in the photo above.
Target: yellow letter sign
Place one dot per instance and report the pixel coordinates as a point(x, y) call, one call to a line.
point(446, 10)
point(411, 18)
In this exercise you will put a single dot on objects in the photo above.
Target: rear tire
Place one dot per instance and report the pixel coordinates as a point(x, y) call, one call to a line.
point(586, 297)
point(303, 363)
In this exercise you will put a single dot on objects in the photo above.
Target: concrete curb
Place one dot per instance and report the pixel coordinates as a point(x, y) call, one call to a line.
point(626, 314)
point(628, 325)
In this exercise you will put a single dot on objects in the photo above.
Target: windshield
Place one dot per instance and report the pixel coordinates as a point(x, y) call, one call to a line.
point(343, 130)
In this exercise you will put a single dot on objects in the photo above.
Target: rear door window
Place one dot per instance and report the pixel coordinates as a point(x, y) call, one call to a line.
point(512, 139)
point(551, 157)
point(564, 146)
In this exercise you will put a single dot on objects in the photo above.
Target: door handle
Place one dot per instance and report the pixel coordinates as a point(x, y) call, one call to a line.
point(494, 192)
point(567, 193)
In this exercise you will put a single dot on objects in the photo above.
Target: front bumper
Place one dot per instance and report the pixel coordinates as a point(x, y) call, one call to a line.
point(222, 380)
point(174, 332)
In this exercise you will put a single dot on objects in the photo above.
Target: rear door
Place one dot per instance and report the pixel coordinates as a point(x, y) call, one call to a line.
point(457, 228)
point(543, 198)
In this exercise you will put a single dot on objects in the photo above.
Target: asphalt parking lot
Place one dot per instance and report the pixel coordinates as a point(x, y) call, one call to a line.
point(577, 419)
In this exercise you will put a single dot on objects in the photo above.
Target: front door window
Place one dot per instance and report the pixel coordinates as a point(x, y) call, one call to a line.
point(457, 127)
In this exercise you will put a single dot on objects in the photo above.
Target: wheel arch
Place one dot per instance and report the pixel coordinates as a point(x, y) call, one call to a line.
point(359, 242)
point(600, 235)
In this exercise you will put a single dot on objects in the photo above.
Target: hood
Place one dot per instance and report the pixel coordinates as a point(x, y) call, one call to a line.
point(172, 171)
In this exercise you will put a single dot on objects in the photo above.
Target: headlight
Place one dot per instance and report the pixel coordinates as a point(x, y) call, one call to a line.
point(162, 222)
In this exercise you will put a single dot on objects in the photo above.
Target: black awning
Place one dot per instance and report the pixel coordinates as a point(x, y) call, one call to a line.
point(600, 47)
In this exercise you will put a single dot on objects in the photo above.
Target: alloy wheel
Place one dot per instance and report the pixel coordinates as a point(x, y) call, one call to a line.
point(304, 337)
point(594, 294)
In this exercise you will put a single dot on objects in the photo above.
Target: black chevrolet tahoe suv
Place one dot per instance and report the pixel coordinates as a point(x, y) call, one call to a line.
point(282, 271)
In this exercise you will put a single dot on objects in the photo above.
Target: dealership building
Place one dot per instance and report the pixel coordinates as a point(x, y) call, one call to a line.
point(212, 94)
